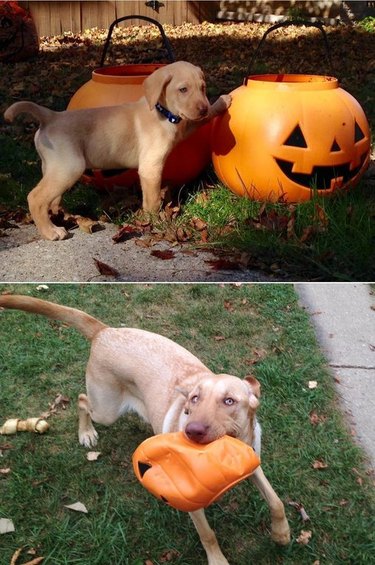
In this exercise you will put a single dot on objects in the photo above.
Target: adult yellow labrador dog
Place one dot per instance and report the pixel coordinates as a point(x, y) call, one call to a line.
point(138, 135)
point(132, 369)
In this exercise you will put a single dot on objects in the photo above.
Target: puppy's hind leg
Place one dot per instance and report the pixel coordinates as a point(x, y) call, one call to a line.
point(87, 434)
point(58, 177)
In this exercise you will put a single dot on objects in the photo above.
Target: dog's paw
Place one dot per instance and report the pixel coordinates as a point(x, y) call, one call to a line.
point(88, 438)
point(281, 533)
point(217, 560)
point(227, 100)
point(55, 233)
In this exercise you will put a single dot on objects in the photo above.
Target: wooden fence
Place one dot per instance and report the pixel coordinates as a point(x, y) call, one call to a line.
point(53, 18)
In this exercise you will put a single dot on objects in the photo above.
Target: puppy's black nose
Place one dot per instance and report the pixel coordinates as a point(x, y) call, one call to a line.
point(196, 431)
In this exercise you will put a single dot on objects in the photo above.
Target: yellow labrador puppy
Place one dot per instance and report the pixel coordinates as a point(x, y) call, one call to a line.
point(138, 135)
point(132, 369)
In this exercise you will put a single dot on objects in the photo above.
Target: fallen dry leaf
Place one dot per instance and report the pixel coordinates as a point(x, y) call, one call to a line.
point(169, 555)
point(298, 506)
point(144, 242)
point(182, 234)
point(61, 401)
point(304, 537)
point(321, 217)
point(198, 224)
point(170, 212)
point(5, 471)
point(257, 355)
point(126, 232)
point(163, 254)
point(316, 419)
point(93, 455)
point(319, 464)
point(105, 269)
point(87, 225)
point(77, 507)
point(228, 306)
point(6, 526)
point(223, 265)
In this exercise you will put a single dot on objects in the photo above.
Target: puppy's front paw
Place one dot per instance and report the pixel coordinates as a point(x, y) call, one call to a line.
point(227, 100)
point(281, 533)
point(88, 438)
point(54, 233)
point(60, 233)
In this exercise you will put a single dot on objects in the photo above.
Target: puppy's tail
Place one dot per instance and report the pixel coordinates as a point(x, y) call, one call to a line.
point(79, 320)
point(43, 115)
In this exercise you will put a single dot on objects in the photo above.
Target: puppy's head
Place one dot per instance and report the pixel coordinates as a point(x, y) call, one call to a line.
point(180, 87)
point(219, 405)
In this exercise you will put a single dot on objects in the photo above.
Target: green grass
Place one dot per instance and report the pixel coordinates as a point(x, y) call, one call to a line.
point(40, 358)
point(368, 24)
point(340, 245)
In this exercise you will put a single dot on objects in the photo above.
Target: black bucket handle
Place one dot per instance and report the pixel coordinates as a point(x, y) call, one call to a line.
point(166, 42)
point(287, 23)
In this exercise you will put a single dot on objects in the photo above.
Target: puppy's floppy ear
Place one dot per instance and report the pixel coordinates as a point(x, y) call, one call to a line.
point(154, 85)
point(254, 389)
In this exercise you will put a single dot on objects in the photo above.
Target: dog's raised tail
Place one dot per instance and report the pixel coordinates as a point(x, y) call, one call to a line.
point(42, 114)
point(79, 320)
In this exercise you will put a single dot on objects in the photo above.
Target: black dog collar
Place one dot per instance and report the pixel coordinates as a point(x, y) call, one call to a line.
point(170, 117)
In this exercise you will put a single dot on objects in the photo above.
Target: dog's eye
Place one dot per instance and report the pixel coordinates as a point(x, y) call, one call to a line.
point(194, 399)
point(183, 89)
point(229, 401)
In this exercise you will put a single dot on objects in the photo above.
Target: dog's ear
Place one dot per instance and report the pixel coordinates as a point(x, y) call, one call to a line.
point(254, 389)
point(155, 84)
point(254, 385)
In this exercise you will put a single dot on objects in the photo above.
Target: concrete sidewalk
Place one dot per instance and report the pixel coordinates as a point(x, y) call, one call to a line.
point(344, 319)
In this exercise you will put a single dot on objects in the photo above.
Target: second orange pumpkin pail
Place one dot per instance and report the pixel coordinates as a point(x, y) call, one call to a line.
point(288, 135)
point(117, 85)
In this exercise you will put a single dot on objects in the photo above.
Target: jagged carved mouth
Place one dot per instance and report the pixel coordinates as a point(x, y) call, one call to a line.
point(321, 178)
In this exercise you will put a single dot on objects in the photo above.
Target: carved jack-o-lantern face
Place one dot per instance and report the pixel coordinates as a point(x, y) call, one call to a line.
point(188, 475)
point(287, 136)
point(339, 170)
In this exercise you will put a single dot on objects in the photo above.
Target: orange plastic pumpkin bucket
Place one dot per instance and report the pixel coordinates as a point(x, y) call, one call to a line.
point(287, 136)
point(189, 475)
point(124, 83)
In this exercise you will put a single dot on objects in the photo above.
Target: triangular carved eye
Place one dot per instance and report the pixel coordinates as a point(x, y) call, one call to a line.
point(143, 467)
point(335, 146)
point(296, 138)
point(358, 133)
